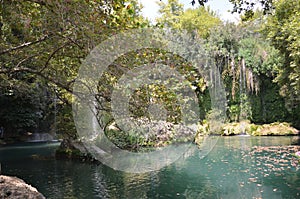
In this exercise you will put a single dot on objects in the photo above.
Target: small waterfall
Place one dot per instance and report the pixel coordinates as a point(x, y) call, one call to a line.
point(243, 97)
point(55, 113)
point(40, 137)
point(243, 91)
point(94, 119)
point(93, 126)
point(232, 71)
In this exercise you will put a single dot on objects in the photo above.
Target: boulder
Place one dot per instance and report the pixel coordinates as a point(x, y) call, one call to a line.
point(15, 188)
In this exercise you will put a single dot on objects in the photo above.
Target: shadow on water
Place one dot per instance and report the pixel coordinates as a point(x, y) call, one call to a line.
point(237, 167)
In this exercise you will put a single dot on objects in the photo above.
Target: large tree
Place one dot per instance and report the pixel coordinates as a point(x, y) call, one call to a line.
point(43, 43)
point(50, 37)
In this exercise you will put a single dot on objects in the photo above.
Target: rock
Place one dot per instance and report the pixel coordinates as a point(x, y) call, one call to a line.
point(15, 188)
point(162, 133)
point(246, 128)
point(69, 144)
point(150, 133)
point(275, 128)
point(73, 149)
point(235, 128)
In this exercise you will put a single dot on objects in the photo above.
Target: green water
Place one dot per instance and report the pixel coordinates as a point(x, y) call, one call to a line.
point(237, 167)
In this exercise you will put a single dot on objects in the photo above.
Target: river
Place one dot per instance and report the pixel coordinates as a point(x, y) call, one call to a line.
point(237, 167)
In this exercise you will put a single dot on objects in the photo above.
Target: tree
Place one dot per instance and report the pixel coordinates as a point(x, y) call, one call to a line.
point(171, 13)
point(249, 64)
point(246, 6)
point(199, 20)
point(54, 35)
point(46, 44)
point(283, 30)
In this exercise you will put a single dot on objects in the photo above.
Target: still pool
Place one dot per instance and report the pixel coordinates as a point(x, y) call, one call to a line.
point(236, 167)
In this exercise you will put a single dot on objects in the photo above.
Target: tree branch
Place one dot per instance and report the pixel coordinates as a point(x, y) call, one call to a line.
point(26, 59)
point(38, 73)
point(52, 55)
point(24, 45)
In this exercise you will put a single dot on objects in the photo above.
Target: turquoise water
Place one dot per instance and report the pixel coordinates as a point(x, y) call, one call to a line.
point(237, 167)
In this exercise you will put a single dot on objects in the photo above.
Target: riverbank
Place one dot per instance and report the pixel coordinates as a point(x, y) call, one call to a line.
point(27, 137)
point(167, 133)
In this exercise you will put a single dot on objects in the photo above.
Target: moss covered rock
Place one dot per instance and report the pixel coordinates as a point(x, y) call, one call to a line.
point(73, 149)
point(273, 129)
point(246, 128)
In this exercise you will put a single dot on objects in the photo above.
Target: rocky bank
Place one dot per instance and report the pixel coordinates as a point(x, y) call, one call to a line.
point(15, 188)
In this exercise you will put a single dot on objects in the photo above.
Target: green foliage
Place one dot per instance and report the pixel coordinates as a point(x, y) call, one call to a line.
point(268, 106)
point(252, 54)
point(65, 127)
point(153, 94)
point(23, 106)
point(245, 6)
point(248, 63)
point(45, 47)
point(283, 30)
point(42, 51)
point(171, 13)
point(199, 20)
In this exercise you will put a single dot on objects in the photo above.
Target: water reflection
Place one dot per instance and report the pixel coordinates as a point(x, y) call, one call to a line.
point(237, 167)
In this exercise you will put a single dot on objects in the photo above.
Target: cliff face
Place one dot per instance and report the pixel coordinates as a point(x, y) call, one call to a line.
point(15, 188)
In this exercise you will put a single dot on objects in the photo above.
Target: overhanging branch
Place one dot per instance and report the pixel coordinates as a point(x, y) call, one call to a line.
point(24, 45)
point(38, 73)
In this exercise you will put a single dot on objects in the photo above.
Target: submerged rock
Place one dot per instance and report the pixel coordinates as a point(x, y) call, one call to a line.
point(15, 188)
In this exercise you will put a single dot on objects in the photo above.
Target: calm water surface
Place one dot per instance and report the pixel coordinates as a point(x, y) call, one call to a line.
point(237, 167)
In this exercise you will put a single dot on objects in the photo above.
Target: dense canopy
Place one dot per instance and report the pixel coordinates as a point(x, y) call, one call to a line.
point(43, 43)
